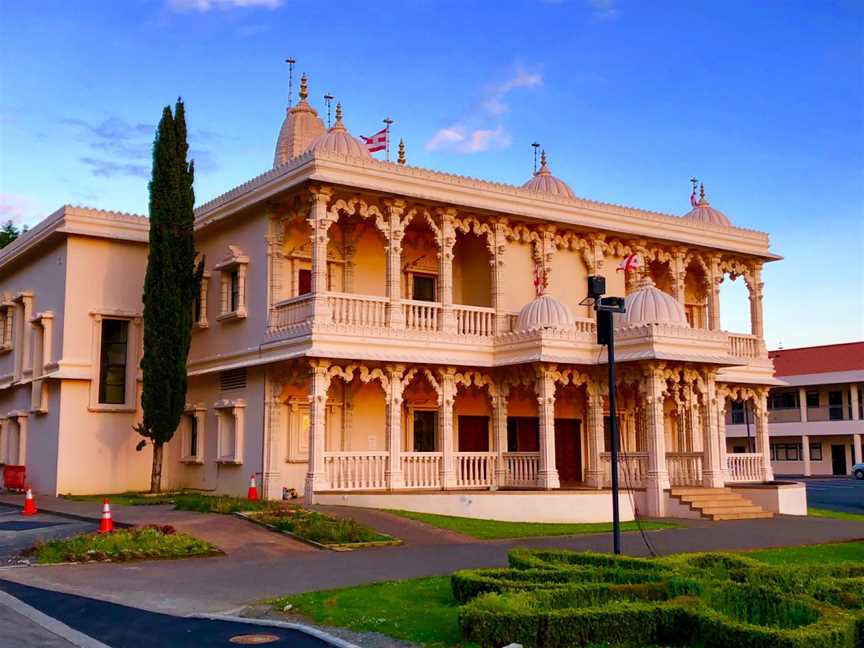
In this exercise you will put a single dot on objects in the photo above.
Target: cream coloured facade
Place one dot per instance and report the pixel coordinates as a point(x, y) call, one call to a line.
point(378, 334)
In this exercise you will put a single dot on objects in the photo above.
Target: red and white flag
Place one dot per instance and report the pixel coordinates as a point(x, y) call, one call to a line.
point(630, 262)
point(376, 142)
point(693, 201)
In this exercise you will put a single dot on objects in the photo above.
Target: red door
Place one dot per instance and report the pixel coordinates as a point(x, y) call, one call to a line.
point(473, 434)
point(568, 450)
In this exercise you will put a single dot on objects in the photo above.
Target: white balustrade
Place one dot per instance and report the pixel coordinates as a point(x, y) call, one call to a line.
point(357, 310)
point(421, 469)
point(522, 468)
point(290, 312)
point(474, 469)
point(475, 320)
point(685, 468)
point(744, 467)
point(632, 469)
point(744, 346)
point(356, 470)
point(421, 315)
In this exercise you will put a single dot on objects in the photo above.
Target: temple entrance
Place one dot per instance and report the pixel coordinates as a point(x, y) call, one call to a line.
point(473, 434)
point(568, 450)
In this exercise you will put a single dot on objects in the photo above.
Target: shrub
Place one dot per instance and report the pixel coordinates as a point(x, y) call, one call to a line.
point(317, 527)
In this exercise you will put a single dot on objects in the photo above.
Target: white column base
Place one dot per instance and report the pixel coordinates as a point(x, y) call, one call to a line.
point(655, 498)
point(548, 479)
point(395, 480)
point(269, 486)
point(713, 479)
point(314, 482)
point(448, 480)
point(594, 478)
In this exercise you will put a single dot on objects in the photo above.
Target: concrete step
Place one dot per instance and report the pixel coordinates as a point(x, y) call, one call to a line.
point(711, 497)
point(722, 510)
point(697, 490)
point(719, 503)
point(742, 516)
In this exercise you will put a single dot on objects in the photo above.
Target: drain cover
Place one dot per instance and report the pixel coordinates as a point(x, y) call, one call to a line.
point(254, 639)
point(26, 525)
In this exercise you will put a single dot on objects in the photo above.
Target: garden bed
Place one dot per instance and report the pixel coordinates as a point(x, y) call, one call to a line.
point(184, 501)
point(319, 530)
point(149, 542)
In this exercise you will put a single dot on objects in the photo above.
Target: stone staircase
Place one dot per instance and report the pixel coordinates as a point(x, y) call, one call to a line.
point(719, 503)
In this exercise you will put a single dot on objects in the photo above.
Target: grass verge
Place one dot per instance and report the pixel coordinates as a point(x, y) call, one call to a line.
point(198, 502)
point(498, 530)
point(317, 527)
point(835, 515)
point(139, 543)
point(423, 610)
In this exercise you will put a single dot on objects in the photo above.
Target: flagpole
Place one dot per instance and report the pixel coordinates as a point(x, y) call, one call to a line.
point(290, 62)
point(387, 121)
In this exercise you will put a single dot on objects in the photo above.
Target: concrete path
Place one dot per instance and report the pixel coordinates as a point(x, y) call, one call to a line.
point(230, 582)
point(18, 532)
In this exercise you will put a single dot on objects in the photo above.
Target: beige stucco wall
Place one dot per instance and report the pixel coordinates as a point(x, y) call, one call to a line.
point(472, 275)
point(568, 281)
point(518, 288)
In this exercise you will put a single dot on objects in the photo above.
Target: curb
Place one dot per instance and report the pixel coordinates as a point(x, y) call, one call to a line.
point(348, 546)
point(314, 632)
point(50, 624)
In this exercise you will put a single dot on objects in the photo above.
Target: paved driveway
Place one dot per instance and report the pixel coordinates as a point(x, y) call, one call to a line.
point(838, 494)
point(18, 532)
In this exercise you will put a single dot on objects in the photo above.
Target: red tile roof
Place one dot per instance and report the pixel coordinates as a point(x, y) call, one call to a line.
point(818, 359)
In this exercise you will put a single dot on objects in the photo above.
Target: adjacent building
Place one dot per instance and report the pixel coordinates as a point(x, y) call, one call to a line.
point(377, 334)
point(815, 419)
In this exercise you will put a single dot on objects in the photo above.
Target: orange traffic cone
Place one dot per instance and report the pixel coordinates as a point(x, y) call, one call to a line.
point(29, 503)
point(252, 494)
point(107, 524)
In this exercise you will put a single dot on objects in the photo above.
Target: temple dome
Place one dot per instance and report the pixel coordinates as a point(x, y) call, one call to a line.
point(647, 304)
point(339, 141)
point(703, 212)
point(544, 312)
point(544, 182)
point(299, 129)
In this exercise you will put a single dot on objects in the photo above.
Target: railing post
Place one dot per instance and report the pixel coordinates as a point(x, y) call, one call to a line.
point(445, 428)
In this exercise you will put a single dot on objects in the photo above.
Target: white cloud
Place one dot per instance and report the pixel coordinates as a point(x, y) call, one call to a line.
point(603, 9)
point(481, 129)
point(203, 6)
point(16, 208)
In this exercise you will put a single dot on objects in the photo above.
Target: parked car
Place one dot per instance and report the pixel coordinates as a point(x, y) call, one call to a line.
point(858, 471)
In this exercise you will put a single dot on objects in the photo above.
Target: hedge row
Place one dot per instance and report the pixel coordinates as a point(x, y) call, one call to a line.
point(565, 598)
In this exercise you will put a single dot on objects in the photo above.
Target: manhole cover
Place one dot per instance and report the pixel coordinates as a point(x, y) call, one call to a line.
point(26, 525)
point(254, 639)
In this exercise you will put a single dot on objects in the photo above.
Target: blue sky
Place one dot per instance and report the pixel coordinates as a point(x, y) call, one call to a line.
point(762, 101)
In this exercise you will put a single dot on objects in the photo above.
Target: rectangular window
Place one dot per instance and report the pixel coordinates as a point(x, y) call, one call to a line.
point(193, 435)
point(816, 451)
point(835, 406)
point(234, 291)
point(812, 399)
point(523, 434)
point(425, 427)
point(783, 400)
point(423, 288)
point(737, 412)
point(304, 281)
point(786, 452)
point(112, 361)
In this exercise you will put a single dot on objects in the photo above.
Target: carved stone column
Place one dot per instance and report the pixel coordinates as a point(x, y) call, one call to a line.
point(395, 318)
point(320, 221)
point(856, 448)
point(805, 454)
point(762, 438)
point(446, 241)
point(653, 389)
point(445, 428)
point(756, 288)
point(394, 390)
point(316, 477)
point(547, 475)
point(595, 434)
point(713, 474)
point(273, 434)
point(679, 275)
point(499, 434)
point(498, 245)
point(721, 431)
point(714, 280)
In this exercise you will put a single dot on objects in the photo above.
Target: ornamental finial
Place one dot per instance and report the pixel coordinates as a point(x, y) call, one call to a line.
point(401, 159)
point(702, 200)
point(304, 87)
point(338, 113)
point(543, 170)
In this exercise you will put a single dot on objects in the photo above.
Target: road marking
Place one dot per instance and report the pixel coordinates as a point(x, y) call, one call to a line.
point(50, 623)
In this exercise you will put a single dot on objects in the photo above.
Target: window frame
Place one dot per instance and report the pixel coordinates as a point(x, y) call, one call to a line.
point(234, 265)
point(133, 351)
point(435, 442)
point(234, 409)
point(194, 420)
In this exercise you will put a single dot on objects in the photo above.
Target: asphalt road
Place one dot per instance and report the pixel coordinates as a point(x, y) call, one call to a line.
point(837, 494)
point(119, 626)
point(19, 532)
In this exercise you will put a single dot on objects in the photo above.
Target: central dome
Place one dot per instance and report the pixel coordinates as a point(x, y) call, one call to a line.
point(544, 182)
point(650, 305)
point(339, 141)
point(542, 313)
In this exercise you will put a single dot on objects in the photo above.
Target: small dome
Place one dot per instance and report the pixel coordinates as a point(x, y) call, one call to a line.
point(703, 212)
point(650, 305)
point(300, 127)
point(339, 141)
point(544, 312)
point(544, 182)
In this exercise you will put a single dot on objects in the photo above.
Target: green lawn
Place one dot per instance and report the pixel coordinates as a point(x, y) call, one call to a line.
point(317, 527)
point(422, 610)
point(183, 501)
point(496, 530)
point(836, 515)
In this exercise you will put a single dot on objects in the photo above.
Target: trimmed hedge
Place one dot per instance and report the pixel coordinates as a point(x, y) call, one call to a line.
point(563, 598)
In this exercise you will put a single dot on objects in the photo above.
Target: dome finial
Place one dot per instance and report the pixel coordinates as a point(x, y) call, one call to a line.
point(304, 87)
point(401, 159)
point(543, 167)
point(338, 114)
point(702, 199)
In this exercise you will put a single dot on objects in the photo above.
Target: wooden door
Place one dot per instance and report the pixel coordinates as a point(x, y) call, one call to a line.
point(838, 460)
point(473, 434)
point(568, 450)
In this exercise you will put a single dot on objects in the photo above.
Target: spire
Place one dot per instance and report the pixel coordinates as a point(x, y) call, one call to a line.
point(304, 87)
point(702, 199)
point(543, 170)
point(402, 152)
point(338, 123)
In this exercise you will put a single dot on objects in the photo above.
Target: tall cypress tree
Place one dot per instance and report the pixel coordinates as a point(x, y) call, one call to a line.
point(170, 287)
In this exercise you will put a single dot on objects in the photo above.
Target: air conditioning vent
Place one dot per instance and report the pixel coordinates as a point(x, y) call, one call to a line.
point(232, 379)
